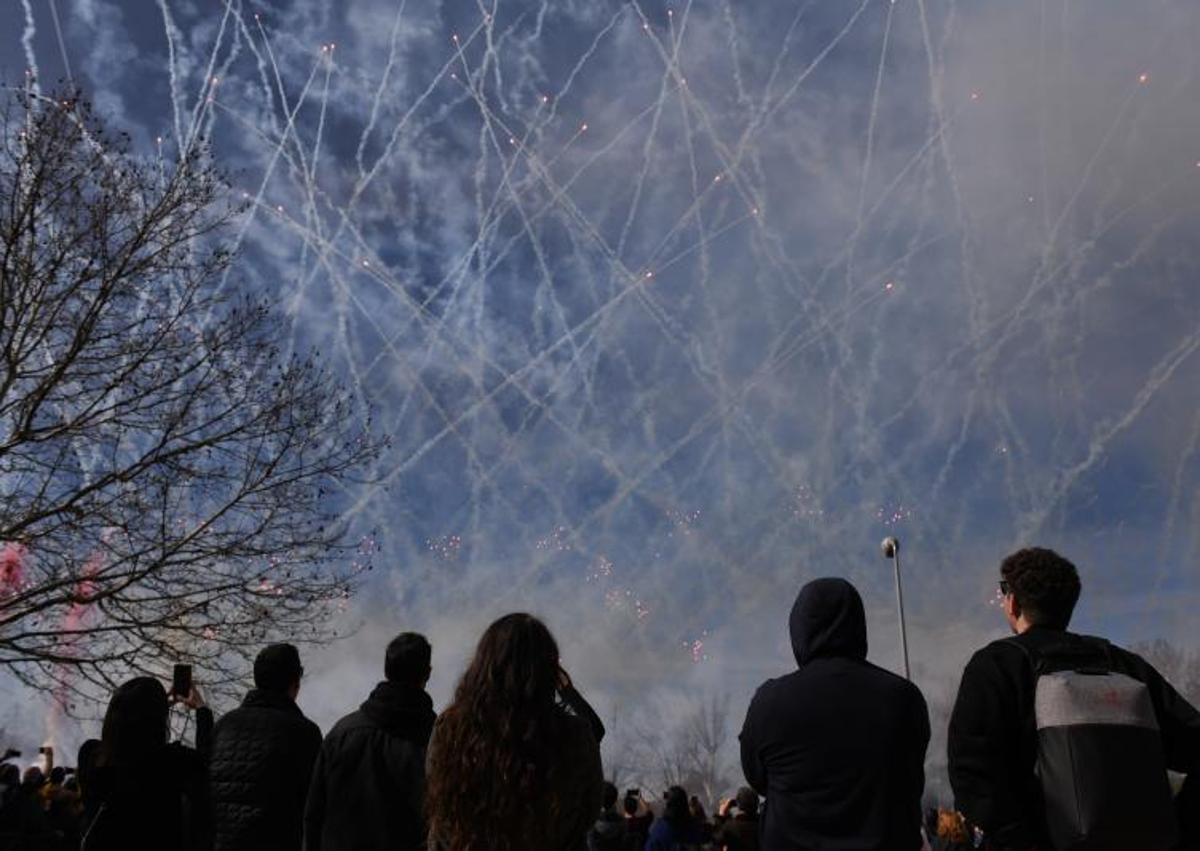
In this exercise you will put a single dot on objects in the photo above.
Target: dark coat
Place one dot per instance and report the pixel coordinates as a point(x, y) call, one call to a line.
point(739, 833)
point(838, 747)
point(262, 759)
point(368, 786)
point(609, 833)
point(162, 799)
point(992, 741)
point(665, 836)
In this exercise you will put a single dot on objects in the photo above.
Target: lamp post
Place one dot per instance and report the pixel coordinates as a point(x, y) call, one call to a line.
point(891, 550)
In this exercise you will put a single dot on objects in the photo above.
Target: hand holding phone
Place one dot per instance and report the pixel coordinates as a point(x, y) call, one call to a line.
point(181, 681)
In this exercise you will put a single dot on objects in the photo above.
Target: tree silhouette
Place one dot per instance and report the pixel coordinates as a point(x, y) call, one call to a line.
point(166, 473)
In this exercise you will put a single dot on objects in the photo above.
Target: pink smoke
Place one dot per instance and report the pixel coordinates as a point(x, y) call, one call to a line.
point(72, 622)
point(12, 568)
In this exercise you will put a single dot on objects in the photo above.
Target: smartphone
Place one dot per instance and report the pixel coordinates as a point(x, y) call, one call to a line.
point(181, 681)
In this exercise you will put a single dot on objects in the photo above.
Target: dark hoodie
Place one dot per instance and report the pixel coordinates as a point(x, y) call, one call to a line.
point(368, 786)
point(837, 747)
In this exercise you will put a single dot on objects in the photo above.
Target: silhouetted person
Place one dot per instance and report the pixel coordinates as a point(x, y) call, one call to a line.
point(737, 822)
point(514, 762)
point(262, 758)
point(142, 789)
point(678, 828)
point(367, 788)
point(838, 747)
point(638, 820)
point(23, 822)
point(993, 740)
point(609, 832)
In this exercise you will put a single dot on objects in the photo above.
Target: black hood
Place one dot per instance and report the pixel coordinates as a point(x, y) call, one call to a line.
point(828, 620)
point(404, 710)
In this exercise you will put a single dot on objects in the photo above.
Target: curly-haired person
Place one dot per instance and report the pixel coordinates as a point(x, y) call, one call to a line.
point(1062, 741)
point(514, 762)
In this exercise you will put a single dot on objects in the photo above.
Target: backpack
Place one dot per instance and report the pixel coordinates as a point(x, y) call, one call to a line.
point(1100, 758)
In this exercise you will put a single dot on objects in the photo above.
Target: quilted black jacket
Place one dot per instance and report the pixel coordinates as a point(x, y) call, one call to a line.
point(262, 759)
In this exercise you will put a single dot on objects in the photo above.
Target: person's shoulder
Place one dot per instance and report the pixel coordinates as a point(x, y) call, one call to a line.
point(775, 686)
point(349, 723)
point(999, 652)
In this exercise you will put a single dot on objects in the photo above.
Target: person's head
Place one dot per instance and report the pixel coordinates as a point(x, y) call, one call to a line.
point(135, 724)
point(57, 775)
point(631, 804)
point(1040, 588)
point(407, 661)
point(828, 620)
point(697, 809)
point(277, 669)
point(608, 797)
point(10, 775)
point(85, 761)
point(489, 781)
point(33, 777)
point(677, 809)
point(747, 801)
point(952, 827)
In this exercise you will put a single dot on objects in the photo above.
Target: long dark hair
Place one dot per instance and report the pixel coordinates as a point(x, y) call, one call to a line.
point(135, 725)
point(677, 810)
point(494, 764)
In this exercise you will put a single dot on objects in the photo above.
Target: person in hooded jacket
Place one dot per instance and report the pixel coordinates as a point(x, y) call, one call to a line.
point(262, 759)
point(837, 747)
point(368, 785)
point(609, 833)
point(142, 791)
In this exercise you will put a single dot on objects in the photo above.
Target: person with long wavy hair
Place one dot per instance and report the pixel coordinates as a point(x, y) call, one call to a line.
point(514, 762)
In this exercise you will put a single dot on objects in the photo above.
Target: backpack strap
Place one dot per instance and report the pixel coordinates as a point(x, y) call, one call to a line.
point(1083, 654)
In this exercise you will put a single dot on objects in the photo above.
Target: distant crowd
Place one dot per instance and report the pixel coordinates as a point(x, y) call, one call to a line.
point(1057, 742)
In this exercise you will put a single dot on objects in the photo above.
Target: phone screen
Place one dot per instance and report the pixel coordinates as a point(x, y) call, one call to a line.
point(181, 681)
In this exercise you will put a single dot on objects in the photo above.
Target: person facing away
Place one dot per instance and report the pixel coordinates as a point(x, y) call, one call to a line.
point(737, 822)
point(142, 791)
point(678, 828)
point(638, 819)
point(262, 757)
point(514, 762)
point(609, 833)
point(993, 740)
point(368, 785)
point(837, 747)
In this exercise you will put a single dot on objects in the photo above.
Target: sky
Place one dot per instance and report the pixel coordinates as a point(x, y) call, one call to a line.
point(668, 308)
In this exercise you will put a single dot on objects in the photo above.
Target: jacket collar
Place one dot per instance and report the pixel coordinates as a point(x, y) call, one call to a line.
point(258, 698)
point(400, 708)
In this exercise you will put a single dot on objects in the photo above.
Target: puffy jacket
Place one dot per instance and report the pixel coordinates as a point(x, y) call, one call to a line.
point(368, 785)
point(837, 747)
point(262, 759)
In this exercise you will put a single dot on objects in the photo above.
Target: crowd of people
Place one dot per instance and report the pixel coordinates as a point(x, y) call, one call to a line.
point(1057, 741)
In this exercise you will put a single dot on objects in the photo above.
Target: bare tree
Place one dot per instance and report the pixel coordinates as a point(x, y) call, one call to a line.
point(166, 474)
point(691, 752)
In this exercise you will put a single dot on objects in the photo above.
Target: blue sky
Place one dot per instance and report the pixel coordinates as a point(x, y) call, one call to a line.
point(669, 307)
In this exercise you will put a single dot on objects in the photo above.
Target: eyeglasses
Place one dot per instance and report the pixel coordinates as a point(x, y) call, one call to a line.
point(1005, 588)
